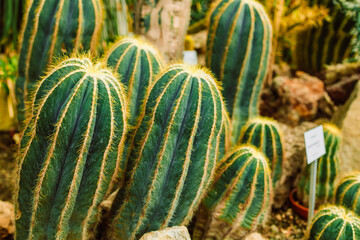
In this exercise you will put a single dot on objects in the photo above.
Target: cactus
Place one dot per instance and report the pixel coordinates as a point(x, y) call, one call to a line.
point(325, 44)
point(239, 198)
point(334, 223)
point(225, 143)
point(348, 193)
point(69, 151)
point(174, 155)
point(49, 28)
point(238, 52)
point(265, 134)
point(328, 168)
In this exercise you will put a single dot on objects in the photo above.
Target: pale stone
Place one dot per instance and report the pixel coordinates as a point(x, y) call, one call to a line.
point(7, 219)
point(254, 236)
point(348, 119)
point(172, 233)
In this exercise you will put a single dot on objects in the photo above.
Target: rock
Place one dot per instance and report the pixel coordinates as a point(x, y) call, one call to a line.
point(348, 119)
point(340, 91)
point(254, 236)
point(294, 161)
point(7, 220)
point(300, 96)
point(172, 233)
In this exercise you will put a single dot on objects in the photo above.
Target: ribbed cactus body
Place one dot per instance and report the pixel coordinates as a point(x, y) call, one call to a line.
point(50, 28)
point(327, 170)
point(240, 197)
point(174, 154)
point(138, 63)
point(70, 151)
point(348, 193)
point(225, 138)
point(325, 44)
point(265, 134)
point(238, 52)
point(334, 223)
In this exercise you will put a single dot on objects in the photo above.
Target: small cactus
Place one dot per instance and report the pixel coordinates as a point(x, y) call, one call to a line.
point(327, 170)
point(174, 154)
point(240, 196)
point(238, 52)
point(49, 28)
point(70, 151)
point(348, 193)
point(334, 223)
point(265, 134)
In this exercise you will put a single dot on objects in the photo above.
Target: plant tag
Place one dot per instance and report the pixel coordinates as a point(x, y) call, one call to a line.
point(190, 57)
point(314, 144)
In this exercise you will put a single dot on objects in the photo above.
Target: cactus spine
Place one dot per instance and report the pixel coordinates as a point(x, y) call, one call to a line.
point(239, 198)
point(328, 168)
point(49, 28)
point(238, 52)
point(137, 62)
point(334, 222)
point(348, 193)
point(174, 155)
point(265, 134)
point(325, 44)
point(70, 150)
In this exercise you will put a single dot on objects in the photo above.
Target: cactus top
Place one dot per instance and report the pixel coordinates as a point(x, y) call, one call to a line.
point(334, 222)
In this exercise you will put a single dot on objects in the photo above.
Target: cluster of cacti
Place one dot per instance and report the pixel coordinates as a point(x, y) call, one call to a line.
point(174, 154)
point(327, 170)
point(70, 150)
point(325, 44)
point(240, 196)
point(50, 28)
point(265, 134)
point(238, 52)
point(348, 193)
point(334, 223)
point(137, 64)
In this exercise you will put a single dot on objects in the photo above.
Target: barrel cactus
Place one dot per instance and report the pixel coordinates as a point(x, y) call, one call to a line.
point(49, 28)
point(238, 52)
point(348, 193)
point(70, 150)
point(265, 134)
point(174, 154)
point(327, 170)
point(328, 43)
point(334, 223)
point(240, 197)
point(138, 63)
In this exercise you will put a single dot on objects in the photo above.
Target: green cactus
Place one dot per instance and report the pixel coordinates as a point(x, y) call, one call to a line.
point(327, 170)
point(325, 44)
point(238, 52)
point(225, 137)
point(334, 223)
point(240, 197)
point(348, 193)
point(50, 28)
point(138, 63)
point(174, 154)
point(265, 134)
point(70, 150)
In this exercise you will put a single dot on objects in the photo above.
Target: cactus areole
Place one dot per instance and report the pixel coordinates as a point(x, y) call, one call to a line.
point(70, 150)
point(238, 52)
point(174, 154)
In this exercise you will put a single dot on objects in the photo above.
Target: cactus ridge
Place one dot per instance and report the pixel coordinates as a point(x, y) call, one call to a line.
point(174, 155)
point(348, 192)
point(328, 168)
point(48, 28)
point(235, 23)
point(240, 196)
point(334, 222)
point(225, 138)
point(68, 124)
point(265, 134)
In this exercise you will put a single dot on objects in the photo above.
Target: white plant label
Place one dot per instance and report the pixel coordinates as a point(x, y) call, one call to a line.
point(314, 144)
point(190, 57)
